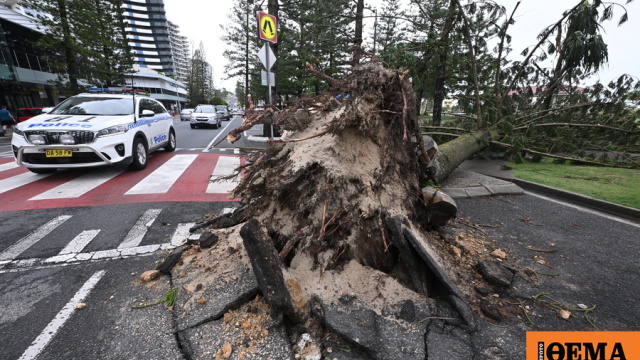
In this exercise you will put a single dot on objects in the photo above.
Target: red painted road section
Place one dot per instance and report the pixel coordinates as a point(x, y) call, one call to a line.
point(190, 187)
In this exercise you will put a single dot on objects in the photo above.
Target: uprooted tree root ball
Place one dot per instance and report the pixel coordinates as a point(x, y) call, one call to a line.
point(347, 161)
point(342, 186)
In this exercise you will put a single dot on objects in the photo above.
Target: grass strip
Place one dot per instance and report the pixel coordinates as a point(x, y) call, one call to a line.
point(620, 186)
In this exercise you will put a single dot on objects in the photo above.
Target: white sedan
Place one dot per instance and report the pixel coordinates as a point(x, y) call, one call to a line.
point(185, 114)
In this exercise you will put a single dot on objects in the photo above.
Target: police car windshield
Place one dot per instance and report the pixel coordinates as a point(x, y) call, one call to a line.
point(95, 106)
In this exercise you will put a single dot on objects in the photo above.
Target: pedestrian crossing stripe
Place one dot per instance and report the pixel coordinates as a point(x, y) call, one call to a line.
point(168, 177)
point(74, 251)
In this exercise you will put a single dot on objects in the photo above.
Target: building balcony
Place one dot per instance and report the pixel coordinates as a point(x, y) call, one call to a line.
point(133, 7)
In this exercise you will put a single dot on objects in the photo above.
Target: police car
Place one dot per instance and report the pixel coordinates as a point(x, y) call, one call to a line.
point(90, 130)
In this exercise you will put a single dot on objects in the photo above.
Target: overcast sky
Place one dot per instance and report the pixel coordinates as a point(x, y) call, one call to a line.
point(203, 21)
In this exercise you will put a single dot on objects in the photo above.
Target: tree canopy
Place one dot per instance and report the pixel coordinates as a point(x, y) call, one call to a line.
point(84, 40)
point(199, 78)
point(543, 102)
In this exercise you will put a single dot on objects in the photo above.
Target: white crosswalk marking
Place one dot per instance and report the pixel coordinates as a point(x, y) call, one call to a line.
point(182, 234)
point(23, 244)
point(8, 166)
point(161, 180)
point(80, 186)
point(176, 177)
point(139, 230)
point(225, 166)
point(19, 180)
point(75, 251)
point(79, 242)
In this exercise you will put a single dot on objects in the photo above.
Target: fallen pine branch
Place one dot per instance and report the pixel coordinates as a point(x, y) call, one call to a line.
point(568, 158)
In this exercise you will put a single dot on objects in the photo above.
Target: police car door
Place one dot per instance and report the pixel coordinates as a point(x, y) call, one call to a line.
point(150, 125)
point(163, 122)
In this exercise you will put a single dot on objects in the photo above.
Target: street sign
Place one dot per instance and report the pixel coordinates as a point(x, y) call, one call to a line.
point(267, 27)
point(268, 82)
point(267, 59)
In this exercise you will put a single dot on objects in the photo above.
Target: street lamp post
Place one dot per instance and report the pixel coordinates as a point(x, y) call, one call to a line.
point(175, 83)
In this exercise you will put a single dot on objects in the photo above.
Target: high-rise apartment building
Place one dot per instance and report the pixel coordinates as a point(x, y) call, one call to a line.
point(148, 33)
point(159, 51)
point(180, 51)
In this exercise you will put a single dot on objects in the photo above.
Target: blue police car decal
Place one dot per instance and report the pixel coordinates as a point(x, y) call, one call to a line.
point(84, 126)
point(158, 139)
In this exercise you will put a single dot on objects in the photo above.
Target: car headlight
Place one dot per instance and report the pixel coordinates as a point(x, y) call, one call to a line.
point(111, 131)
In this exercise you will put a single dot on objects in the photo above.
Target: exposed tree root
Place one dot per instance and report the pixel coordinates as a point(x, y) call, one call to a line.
point(347, 162)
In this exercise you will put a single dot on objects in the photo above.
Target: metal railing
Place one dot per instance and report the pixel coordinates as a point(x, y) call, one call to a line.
point(24, 60)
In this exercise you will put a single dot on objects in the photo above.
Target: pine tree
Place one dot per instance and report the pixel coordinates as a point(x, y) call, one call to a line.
point(199, 78)
point(241, 34)
point(84, 40)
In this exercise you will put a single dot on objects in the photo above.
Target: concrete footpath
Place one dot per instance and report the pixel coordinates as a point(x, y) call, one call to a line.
point(481, 177)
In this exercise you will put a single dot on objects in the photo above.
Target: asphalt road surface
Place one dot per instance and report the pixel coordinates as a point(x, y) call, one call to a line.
point(86, 235)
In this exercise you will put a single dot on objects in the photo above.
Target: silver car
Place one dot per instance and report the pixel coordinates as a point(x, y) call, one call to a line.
point(223, 110)
point(185, 114)
point(205, 115)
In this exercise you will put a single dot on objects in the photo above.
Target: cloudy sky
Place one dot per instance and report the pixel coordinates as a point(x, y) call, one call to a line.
point(204, 21)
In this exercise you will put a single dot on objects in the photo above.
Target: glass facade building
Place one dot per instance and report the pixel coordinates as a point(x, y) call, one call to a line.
point(25, 77)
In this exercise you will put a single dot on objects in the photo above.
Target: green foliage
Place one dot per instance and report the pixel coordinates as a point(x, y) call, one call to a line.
point(218, 101)
point(534, 107)
point(456, 49)
point(241, 35)
point(169, 299)
point(199, 82)
point(315, 31)
point(84, 40)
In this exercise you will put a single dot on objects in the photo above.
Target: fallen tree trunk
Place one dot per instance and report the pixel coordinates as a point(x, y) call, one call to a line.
point(452, 153)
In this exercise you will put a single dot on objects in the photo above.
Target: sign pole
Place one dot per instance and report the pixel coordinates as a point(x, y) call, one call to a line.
point(269, 83)
point(268, 77)
point(268, 31)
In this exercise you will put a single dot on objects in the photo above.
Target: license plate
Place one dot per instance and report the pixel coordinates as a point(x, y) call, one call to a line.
point(58, 153)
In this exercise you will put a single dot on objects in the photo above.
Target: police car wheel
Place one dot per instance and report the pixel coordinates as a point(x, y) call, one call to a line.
point(42, 171)
point(171, 145)
point(139, 155)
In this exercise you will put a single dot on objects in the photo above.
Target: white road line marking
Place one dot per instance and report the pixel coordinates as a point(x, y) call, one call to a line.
point(139, 230)
point(23, 244)
point(68, 259)
point(583, 209)
point(80, 186)
point(182, 234)
point(161, 180)
point(211, 144)
point(8, 166)
point(20, 180)
point(58, 321)
point(79, 242)
point(225, 166)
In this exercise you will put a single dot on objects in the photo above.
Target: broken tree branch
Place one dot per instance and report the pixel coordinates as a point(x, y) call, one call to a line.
point(325, 77)
point(568, 158)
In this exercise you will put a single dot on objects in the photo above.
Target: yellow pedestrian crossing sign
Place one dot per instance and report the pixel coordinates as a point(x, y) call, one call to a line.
point(267, 27)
